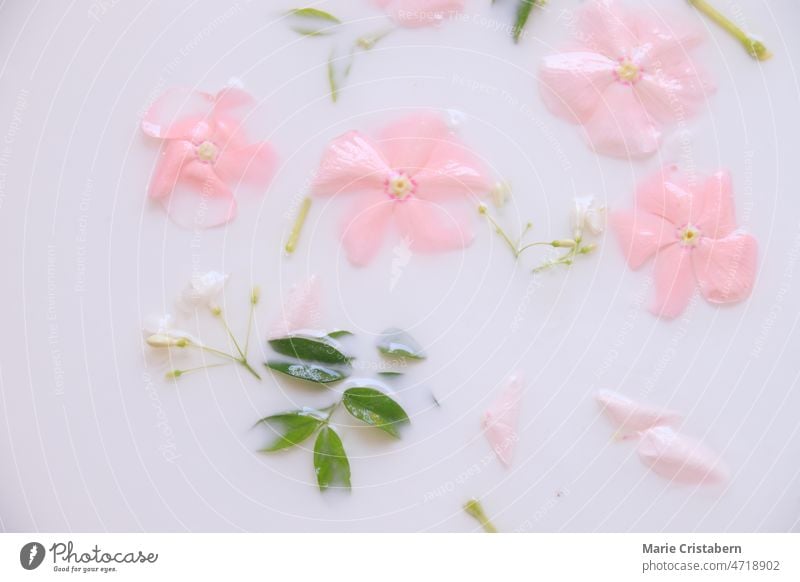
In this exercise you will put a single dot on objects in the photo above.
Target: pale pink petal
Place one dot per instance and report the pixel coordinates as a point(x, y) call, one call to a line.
point(726, 268)
point(605, 26)
point(675, 93)
point(452, 171)
point(252, 164)
point(631, 417)
point(432, 228)
point(231, 98)
point(641, 234)
point(365, 227)
point(200, 199)
point(414, 13)
point(500, 421)
point(680, 459)
point(300, 309)
point(717, 218)
point(669, 194)
point(666, 41)
point(621, 127)
point(171, 160)
point(351, 163)
point(179, 113)
point(572, 83)
point(408, 142)
point(674, 281)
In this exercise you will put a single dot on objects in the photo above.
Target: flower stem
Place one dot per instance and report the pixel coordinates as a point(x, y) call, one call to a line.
point(755, 48)
point(474, 508)
point(249, 368)
point(178, 373)
point(294, 236)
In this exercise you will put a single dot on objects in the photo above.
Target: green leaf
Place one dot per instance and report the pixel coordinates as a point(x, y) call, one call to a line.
point(332, 83)
point(291, 428)
point(312, 21)
point(375, 408)
point(337, 333)
point(390, 373)
point(397, 343)
point(307, 372)
point(330, 460)
point(523, 12)
point(309, 349)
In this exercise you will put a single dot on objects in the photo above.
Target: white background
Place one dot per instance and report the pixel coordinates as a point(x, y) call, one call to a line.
point(93, 439)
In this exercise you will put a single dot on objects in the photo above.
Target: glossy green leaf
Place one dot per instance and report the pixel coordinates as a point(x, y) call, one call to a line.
point(399, 344)
point(375, 408)
point(309, 349)
point(291, 428)
point(308, 372)
point(330, 460)
point(523, 13)
point(337, 333)
point(312, 21)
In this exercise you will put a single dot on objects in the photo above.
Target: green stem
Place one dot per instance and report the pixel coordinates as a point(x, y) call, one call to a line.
point(249, 368)
point(294, 236)
point(474, 508)
point(230, 335)
point(178, 373)
point(755, 48)
point(213, 351)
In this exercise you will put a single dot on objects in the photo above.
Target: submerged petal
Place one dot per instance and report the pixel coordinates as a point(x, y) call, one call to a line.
point(452, 171)
point(669, 194)
point(573, 83)
point(407, 143)
point(432, 228)
point(717, 218)
point(630, 416)
point(605, 26)
point(178, 114)
point(674, 281)
point(365, 227)
point(500, 420)
point(200, 199)
point(350, 163)
point(172, 158)
point(252, 164)
point(300, 309)
point(726, 268)
point(641, 234)
point(679, 458)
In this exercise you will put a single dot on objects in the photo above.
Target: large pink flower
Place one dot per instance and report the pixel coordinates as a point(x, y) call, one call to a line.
point(415, 13)
point(691, 230)
point(626, 76)
point(205, 154)
point(406, 176)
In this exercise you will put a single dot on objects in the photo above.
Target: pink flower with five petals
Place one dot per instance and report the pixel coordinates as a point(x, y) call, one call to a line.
point(691, 229)
point(416, 13)
point(205, 154)
point(627, 75)
point(405, 176)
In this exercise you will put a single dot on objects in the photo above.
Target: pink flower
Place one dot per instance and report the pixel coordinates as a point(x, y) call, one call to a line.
point(415, 13)
point(404, 177)
point(691, 230)
point(205, 154)
point(500, 421)
point(626, 76)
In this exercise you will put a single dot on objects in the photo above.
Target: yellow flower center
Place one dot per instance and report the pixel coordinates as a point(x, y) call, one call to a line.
point(400, 186)
point(207, 151)
point(627, 72)
point(689, 235)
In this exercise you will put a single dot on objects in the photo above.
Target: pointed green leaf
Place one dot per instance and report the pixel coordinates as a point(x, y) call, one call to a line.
point(310, 349)
point(312, 21)
point(330, 461)
point(375, 408)
point(337, 333)
point(291, 428)
point(390, 373)
point(523, 13)
point(397, 343)
point(308, 372)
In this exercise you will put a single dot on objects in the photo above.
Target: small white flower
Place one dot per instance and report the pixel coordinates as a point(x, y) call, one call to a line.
point(500, 193)
point(162, 340)
point(160, 332)
point(203, 290)
point(588, 214)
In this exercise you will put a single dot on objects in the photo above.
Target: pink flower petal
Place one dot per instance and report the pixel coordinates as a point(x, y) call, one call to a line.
point(452, 171)
point(674, 281)
point(726, 268)
point(252, 164)
point(668, 193)
point(621, 127)
point(680, 459)
point(641, 234)
point(432, 228)
point(365, 227)
point(572, 83)
point(200, 199)
point(500, 421)
point(179, 113)
point(717, 218)
point(300, 309)
point(671, 95)
point(632, 417)
point(351, 163)
point(415, 13)
point(605, 26)
point(231, 98)
point(407, 143)
point(172, 158)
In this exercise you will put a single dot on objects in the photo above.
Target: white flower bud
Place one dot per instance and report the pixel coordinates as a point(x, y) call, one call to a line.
point(588, 215)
